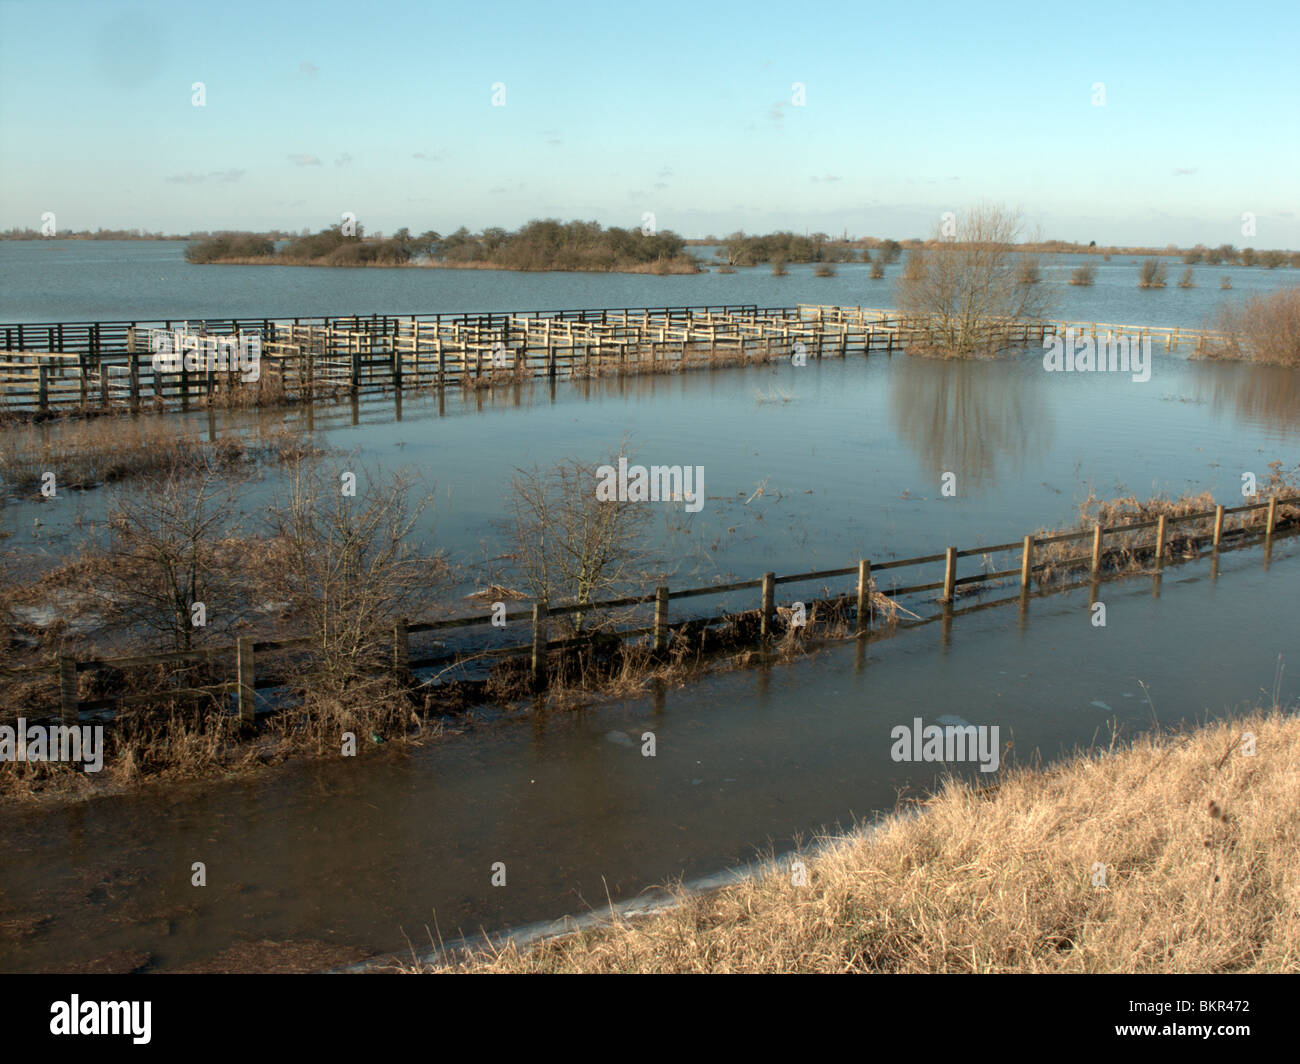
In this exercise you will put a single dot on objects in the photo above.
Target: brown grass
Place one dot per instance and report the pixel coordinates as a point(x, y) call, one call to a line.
point(84, 454)
point(1199, 843)
point(1129, 552)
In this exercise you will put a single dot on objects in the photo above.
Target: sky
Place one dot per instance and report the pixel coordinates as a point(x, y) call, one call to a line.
point(1134, 123)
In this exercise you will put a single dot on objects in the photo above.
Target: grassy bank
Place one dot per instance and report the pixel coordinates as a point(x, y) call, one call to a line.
point(1199, 844)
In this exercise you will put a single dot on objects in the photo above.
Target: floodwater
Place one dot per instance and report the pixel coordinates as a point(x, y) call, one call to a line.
point(80, 280)
point(359, 856)
point(805, 468)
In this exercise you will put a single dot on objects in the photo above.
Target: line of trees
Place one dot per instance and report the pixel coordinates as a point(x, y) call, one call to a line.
point(1229, 255)
point(540, 245)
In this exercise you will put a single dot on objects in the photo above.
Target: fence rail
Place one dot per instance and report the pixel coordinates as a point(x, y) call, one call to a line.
point(246, 650)
point(52, 367)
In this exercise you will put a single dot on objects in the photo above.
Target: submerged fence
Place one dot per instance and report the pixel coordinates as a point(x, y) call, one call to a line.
point(52, 367)
point(246, 651)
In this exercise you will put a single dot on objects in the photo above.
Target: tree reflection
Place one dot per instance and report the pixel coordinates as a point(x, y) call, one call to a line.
point(1268, 396)
point(970, 417)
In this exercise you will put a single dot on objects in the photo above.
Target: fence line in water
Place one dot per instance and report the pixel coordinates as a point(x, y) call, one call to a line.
point(53, 367)
point(245, 650)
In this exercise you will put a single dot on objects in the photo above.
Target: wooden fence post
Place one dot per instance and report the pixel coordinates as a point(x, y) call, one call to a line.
point(949, 573)
point(539, 646)
point(769, 604)
point(661, 618)
point(864, 594)
point(1218, 526)
point(1027, 563)
point(1160, 541)
point(1096, 550)
point(246, 678)
point(68, 689)
point(1272, 516)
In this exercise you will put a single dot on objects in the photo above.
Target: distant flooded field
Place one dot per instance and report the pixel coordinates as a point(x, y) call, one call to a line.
point(67, 280)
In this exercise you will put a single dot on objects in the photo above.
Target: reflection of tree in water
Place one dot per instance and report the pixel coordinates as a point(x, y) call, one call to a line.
point(1268, 396)
point(969, 417)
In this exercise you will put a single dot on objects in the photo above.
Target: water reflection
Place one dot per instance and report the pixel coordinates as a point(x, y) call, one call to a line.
point(969, 418)
point(1268, 396)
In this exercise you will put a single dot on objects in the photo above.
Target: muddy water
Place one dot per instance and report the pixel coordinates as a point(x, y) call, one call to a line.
point(351, 857)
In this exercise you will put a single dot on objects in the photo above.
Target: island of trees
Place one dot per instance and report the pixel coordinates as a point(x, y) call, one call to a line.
point(539, 245)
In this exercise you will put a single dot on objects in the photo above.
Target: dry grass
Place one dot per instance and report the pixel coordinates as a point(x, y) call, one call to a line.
point(84, 454)
point(1125, 552)
point(1200, 846)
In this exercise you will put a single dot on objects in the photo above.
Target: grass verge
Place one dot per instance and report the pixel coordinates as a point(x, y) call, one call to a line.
point(1198, 842)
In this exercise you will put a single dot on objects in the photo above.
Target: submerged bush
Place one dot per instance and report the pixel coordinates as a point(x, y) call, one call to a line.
point(1152, 274)
point(1264, 329)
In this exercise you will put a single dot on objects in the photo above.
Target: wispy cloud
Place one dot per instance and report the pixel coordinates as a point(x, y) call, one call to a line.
point(191, 178)
point(309, 68)
point(1184, 171)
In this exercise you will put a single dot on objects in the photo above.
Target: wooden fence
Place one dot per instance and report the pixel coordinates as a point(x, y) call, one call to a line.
point(75, 366)
point(245, 652)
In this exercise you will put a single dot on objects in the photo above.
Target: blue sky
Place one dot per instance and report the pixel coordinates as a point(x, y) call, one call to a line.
point(686, 110)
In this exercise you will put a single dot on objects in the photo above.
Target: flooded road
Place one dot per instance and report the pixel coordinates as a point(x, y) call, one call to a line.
point(356, 856)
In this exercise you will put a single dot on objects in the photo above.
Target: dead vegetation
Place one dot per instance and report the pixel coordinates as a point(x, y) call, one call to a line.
point(1135, 551)
point(1263, 329)
point(89, 453)
point(340, 572)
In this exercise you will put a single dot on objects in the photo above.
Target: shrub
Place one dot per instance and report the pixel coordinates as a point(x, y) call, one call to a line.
point(1264, 328)
point(1152, 274)
point(229, 246)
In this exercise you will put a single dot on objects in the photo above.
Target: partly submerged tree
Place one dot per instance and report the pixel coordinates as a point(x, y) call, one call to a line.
point(570, 546)
point(968, 287)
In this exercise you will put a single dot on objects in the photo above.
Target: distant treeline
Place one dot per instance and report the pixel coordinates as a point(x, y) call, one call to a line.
point(85, 234)
point(1226, 254)
point(741, 250)
point(781, 247)
point(119, 234)
point(539, 245)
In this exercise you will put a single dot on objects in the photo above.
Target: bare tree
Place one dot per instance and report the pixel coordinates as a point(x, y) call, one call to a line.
point(350, 565)
point(967, 288)
point(167, 540)
point(570, 547)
